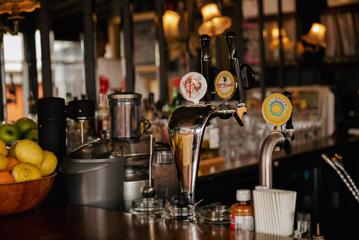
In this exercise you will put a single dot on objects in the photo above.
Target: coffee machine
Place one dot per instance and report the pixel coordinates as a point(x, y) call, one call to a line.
point(188, 123)
point(111, 171)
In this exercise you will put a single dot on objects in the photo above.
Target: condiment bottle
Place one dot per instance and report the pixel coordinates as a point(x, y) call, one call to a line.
point(242, 214)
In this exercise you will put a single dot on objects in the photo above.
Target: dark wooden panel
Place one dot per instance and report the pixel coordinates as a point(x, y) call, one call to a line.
point(46, 69)
point(2, 82)
point(90, 49)
point(128, 42)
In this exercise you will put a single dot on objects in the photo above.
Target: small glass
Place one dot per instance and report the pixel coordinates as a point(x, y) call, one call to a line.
point(303, 226)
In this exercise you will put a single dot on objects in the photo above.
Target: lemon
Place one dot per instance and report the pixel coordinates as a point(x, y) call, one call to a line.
point(29, 151)
point(3, 162)
point(3, 150)
point(23, 172)
point(49, 163)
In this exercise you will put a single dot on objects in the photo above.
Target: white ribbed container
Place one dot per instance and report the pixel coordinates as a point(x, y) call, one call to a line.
point(274, 211)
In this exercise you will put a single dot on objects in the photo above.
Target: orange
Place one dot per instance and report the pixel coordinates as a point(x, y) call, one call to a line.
point(6, 177)
point(3, 162)
point(12, 163)
point(3, 149)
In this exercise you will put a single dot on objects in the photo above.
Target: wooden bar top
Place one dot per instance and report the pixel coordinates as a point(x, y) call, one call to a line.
point(77, 222)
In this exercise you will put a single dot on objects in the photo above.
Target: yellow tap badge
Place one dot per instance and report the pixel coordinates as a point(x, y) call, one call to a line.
point(225, 85)
point(276, 109)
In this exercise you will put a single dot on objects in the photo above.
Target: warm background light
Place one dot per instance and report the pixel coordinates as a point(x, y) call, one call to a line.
point(274, 44)
point(15, 6)
point(213, 22)
point(170, 23)
point(210, 11)
point(316, 35)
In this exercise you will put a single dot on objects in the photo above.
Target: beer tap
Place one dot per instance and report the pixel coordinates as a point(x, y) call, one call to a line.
point(187, 123)
point(276, 110)
point(206, 66)
point(244, 74)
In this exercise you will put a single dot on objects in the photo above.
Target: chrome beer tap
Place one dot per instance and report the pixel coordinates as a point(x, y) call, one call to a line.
point(276, 110)
point(188, 123)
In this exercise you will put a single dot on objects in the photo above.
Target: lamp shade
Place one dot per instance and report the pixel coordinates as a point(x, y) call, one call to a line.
point(16, 6)
point(216, 26)
point(316, 35)
point(213, 22)
point(170, 21)
point(210, 11)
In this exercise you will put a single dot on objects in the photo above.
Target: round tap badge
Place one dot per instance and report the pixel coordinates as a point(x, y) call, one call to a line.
point(193, 86)
point(225, 85)
point(276, 109)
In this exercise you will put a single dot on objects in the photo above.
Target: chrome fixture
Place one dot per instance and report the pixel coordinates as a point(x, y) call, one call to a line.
point(277, 110)
point(188, 123)
point(336, 163)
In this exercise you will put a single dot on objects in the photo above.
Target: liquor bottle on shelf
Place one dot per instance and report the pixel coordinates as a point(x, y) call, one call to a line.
point(102, 112)
point(210, 143)
point(176, 97)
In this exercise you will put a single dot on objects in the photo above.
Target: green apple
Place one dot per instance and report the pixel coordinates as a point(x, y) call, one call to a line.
point(24, 125)
point(31, 135)
point(9, 133)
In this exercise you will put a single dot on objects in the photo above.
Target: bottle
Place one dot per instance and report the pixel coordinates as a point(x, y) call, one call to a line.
point(242, 214)
point(210, 142)
point(176, 96)
point(213, 139)
point(102, 113)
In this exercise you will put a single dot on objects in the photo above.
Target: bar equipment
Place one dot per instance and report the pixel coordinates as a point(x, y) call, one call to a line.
point(187, 123)
point(52, 125)
point(111, 171)
point(215, 214)
point(148, 204)
point(276, 110)
point(274, 211)
point(164, 172)
point(82, 113)
point(337, 165)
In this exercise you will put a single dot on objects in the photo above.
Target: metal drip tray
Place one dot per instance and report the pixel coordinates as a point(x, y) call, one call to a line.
point(218, 215)
point(147, 206)
point(181, 213)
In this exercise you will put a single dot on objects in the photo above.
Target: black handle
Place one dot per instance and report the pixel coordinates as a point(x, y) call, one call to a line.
point(289, 124)
point(247, 76)
point(205, 64)
point(233, 58)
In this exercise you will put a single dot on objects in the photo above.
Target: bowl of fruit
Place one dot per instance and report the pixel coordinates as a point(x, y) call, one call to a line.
point(27, 173)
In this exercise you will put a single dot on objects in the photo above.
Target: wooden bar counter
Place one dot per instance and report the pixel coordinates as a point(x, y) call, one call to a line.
point(76, 222)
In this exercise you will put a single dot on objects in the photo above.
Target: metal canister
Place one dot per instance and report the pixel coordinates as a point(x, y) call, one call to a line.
point(125, 112)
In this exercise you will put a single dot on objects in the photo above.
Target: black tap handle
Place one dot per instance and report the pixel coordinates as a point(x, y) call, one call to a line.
point(289, 124)
point(205, 64)
point(287, 146)
point(247, 76)
point(233, 58)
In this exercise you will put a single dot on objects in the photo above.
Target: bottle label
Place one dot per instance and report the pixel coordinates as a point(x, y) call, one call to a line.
point(245, 223)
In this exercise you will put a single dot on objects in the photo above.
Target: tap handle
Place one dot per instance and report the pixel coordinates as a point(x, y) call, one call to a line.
point(288, 148)
point(233, 58)
point(205, 64)
point(247, 76)
point(289, 124)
